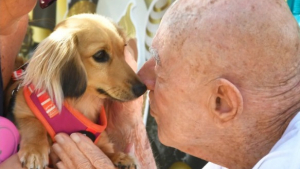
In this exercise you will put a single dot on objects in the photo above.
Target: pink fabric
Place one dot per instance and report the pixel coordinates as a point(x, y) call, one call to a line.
point(9, 139)
point(63, 122)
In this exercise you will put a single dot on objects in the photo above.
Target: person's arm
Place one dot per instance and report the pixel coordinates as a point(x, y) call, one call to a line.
point(127, 128)
point(13, 26)
point(9, 47)
point(142, 147)
point(129, 133)
point(11, 12)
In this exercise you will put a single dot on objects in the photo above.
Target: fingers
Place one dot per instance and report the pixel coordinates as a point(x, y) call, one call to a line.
point(70, 155)
point(63, 156)
point(78, 151)
point(97, 158)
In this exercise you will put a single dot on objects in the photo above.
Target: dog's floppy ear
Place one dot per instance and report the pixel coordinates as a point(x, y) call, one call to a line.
point(73, 79)
point(56, 67)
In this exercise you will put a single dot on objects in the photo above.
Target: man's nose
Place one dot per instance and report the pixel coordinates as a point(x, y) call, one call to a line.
point(147, 74)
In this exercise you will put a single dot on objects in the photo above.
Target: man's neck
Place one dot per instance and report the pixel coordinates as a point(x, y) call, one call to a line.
point(241, 149)
point(253, 147)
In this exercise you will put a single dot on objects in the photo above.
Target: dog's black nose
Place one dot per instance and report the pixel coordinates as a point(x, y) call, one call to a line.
point(139, 89)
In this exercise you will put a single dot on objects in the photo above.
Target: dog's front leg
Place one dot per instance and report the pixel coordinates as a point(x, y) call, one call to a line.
point(34, 145)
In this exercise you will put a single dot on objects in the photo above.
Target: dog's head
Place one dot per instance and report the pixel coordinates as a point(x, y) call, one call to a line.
point(85, 53)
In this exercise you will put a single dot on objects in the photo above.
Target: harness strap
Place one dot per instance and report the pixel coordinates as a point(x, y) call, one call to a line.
point(18, 74)
point(69, 120)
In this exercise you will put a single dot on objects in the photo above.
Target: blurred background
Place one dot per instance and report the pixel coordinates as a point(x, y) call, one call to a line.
point(140, 20)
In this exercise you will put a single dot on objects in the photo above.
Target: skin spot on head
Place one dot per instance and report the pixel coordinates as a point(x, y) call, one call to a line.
point(213, 1)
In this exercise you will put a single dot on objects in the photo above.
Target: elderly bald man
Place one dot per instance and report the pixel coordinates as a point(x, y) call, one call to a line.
point(225, 84)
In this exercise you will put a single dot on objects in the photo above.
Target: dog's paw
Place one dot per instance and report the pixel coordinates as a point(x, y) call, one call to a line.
point(34, 157)
point(123, 161)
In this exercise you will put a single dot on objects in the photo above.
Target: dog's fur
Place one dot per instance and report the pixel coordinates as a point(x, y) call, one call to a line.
point(67, 66)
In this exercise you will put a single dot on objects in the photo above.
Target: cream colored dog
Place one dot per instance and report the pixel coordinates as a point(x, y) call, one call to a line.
point(80, 64)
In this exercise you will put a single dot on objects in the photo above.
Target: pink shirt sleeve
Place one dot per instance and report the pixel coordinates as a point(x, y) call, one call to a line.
point(9, 139)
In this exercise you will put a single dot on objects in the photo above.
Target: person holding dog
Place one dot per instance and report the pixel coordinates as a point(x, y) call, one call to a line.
point(224, 86)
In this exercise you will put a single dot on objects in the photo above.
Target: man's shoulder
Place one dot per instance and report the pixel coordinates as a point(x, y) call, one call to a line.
point(279, 160)
point(286, 152)
point(213, 166)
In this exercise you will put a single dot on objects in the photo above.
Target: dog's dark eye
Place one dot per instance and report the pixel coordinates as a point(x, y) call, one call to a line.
point(101, 56)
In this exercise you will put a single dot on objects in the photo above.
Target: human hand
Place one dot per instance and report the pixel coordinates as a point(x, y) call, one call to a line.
point(78, 151)
point(123, 116)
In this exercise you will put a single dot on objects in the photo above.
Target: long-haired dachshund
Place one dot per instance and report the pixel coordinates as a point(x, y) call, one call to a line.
point(66, 82)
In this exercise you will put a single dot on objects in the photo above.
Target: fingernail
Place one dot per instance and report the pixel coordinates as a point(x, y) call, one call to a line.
point(75, 137)
point(59, 139)
point(56, 148)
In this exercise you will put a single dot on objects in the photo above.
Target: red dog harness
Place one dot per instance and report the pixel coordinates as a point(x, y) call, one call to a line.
point(67, 121)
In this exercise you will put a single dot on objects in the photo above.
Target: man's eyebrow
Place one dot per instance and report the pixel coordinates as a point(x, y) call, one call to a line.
point(154, 54)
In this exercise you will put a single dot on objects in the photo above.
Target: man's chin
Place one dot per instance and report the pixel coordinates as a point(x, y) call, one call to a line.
point(164, 139)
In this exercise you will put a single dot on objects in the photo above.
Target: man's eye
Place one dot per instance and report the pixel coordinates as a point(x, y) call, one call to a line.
point(101, 56)
point(154, 54)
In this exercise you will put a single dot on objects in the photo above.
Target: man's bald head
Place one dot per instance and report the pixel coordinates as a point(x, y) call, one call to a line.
point(248, 42)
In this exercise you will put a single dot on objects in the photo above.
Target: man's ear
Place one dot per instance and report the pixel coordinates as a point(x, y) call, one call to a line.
point(226, 101)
